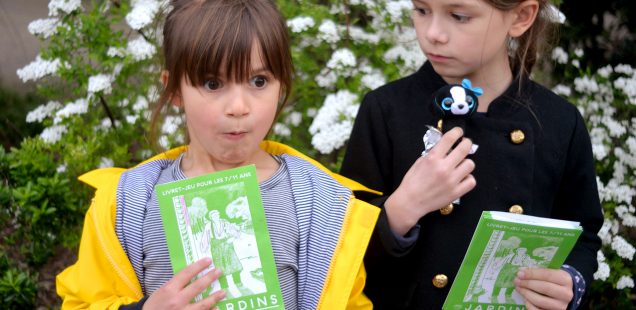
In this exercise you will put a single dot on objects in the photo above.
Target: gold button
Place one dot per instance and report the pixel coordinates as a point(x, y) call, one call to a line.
point(440, 280)
point(517, 209)
point(517, 136)
point(447, 210)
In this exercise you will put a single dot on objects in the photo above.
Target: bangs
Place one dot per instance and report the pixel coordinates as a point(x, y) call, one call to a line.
point(221, 46)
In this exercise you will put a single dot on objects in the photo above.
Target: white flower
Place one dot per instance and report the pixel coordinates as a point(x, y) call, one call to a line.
point(106, 162)
point(576, 63)
point(623, 248)
point(408, 52)
point(578, 52)
point(171, 124)
point(115, 52)
point(559, 55)
point(605, 71)
point(100, 83)
point(625, 69)
point(66, 6)
point(300, 23)
point(131, 119)
point(79, 106)
point(342, 58)
point(281, 130)
point(311, 112)
point(61, 168)
point(604, 232)
point(333, 123)
point(164, 142)
point(586, 85)
point(603, 271)
point(373, 80)
point(562, 90)
point(140, 49)
point(624, 282)
point(142, 14)
point(397, 10)
point(141, 104)
point(43, 27)
point(38, 69)
point(294, 118)
point(327, 78)
point(359, 35)
point(555, 15)
point(328, 32)
point(53, 134)
point(42, 112)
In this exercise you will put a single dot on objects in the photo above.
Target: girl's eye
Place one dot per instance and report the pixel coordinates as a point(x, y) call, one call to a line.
point(258, 81)
point(421, 11)
point(212, 84)
point(461, 18)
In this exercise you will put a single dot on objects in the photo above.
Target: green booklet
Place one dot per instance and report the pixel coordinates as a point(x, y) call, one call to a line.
point(502, 243)
point(220, 215)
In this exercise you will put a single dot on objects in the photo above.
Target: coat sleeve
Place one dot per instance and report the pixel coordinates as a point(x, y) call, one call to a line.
point(102, 277)
point(578, 200)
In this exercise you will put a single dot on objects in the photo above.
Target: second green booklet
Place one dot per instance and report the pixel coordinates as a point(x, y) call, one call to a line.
point(220, 215)
point(501, 245)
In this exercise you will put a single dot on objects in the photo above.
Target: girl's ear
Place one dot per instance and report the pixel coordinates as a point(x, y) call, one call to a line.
point(174, 98)
point(525, 15)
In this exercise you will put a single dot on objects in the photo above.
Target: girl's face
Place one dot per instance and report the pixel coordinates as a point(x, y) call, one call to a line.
point(463, 38)
point(227, 120)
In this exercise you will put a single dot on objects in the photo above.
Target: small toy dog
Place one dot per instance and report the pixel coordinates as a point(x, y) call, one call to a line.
point(455, 100)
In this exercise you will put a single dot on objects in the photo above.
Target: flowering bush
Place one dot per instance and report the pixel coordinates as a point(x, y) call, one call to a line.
point(99, 69)
point(607, 100)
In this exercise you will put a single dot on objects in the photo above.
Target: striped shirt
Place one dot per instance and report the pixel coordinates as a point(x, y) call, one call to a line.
point(153, 268)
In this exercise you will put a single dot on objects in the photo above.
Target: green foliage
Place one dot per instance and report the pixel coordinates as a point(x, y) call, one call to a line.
point(17, 289)
point(13, 127)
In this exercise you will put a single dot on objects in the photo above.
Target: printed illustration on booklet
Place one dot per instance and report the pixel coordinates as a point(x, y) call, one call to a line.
point(501, 245)
point(220, 215)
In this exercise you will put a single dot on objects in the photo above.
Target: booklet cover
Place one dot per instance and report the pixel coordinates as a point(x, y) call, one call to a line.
point(220, 215)
point(502, 243)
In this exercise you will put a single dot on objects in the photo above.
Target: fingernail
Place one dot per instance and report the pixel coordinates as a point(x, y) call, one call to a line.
point(521, 274)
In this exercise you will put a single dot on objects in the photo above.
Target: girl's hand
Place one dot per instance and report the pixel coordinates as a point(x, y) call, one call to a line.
point(434, 181)
point(178, 292)
point(544, 288)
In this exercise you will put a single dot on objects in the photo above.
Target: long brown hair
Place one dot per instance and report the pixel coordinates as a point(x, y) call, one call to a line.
point(203, 38)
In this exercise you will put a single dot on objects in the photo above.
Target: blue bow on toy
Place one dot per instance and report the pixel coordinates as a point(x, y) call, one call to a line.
point(457, 100)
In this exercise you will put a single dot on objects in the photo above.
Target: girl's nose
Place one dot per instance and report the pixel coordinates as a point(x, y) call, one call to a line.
point(436, 32)
point(238, 104)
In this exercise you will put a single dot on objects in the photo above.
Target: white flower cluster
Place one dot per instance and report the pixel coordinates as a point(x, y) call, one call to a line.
point(603, 271)
point(77, 107)
point(53, 134)
point(332, 125)
point(63, 6)
point(143, 12)
point(100, 83)
point(140, 49)
point(624, 282)
point(623, 248)
point(328, 32)
point(45, 27)
point(300, 23)
point(106, 162)
point(559, 55)
point(38, 69)
point(43, 111)
point(397, 9)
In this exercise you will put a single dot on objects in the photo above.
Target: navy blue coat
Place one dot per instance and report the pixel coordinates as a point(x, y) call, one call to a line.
point(550, 174)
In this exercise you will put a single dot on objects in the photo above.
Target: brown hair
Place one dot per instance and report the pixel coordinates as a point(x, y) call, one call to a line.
point(537, 39)
point(201, 36)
